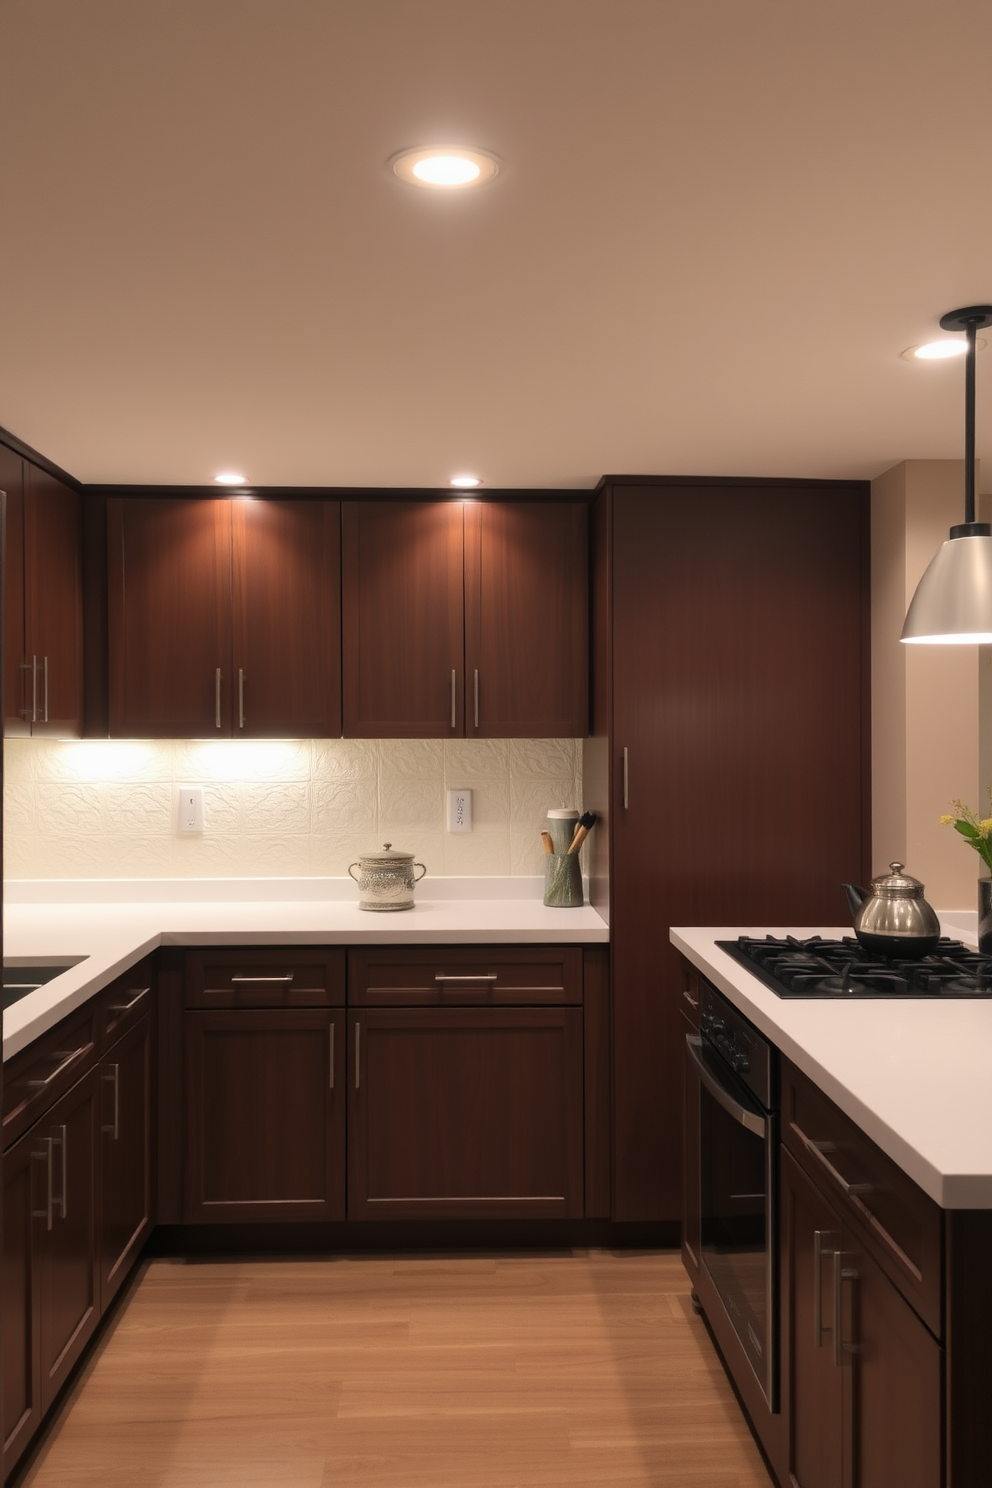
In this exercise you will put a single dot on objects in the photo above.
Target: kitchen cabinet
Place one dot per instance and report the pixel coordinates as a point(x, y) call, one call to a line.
point(126, 1150)
point(43, 605)
point(691, 1198)
point(864, 1373)
point(465, 1096)
point(464, 619)
point(265, 1086)
point(224, 618)
point(50, 1285)
point(730, 763)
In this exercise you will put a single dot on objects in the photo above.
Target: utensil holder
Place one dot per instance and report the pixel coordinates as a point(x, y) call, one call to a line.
point(562, 881)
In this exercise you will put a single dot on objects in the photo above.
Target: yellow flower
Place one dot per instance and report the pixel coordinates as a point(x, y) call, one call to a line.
point(945, 821)
point(985, 826)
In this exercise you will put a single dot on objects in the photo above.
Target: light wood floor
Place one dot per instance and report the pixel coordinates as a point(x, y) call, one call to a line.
point(584, 1368)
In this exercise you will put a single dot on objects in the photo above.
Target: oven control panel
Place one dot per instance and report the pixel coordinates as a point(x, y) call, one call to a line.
point(737, 1042)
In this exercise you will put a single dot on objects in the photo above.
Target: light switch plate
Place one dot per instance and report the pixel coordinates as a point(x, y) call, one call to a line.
point(459, 810)
point(190, 809)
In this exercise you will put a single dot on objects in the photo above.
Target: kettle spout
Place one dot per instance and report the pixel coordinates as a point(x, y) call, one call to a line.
point(856, 896)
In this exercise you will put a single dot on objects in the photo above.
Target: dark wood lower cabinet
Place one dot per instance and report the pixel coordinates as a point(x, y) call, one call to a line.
point(465, 1113)
point(126, 1155)
point(265, 1115)
point(50, 1294)
point(863, 1375)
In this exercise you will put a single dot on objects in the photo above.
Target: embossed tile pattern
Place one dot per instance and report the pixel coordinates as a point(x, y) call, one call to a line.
point(107, 808)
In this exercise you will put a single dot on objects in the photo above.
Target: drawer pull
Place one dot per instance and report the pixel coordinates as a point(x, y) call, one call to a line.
point(692, 1001)
point(287, 978)
point(66, 1059)
point(490, 976)
point(819, 1251)
point(125, 1007)
point(853, 1191)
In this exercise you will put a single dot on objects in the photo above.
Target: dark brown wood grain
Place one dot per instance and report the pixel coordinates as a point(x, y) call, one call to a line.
point(526, 620)
point(20, 1302)
point(12, 482)
point(598, 1095)
point(402, 619)
point(739, 647)
point(287, 618)
point(448, 976)
point(169, 617)
point(465, 1112)
point(53, 600)
point(264, 1115)
point(126, 1157)
point(265, 976)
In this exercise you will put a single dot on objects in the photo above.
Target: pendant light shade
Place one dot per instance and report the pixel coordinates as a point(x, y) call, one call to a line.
point(953, 600)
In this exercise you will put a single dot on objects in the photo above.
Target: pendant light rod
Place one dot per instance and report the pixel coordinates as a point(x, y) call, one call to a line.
point(968, 320)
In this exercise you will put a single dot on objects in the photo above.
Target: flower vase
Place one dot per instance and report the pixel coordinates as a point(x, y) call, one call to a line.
point(985, 916)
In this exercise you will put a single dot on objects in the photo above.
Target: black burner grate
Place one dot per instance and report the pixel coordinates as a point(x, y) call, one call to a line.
point(842, 968)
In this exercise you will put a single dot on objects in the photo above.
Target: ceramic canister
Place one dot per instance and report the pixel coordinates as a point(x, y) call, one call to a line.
point(386, 878)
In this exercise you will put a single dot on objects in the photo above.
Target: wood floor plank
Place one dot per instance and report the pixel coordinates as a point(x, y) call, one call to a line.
point(408, 1372)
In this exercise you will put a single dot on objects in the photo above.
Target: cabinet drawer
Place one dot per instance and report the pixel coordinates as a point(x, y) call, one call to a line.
point(42, 1073)
point(895, 1219)
point(127, 999)
point(471, 976)
point(253, 977)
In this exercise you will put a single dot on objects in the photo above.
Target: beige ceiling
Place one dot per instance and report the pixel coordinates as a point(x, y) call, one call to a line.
point(718, 224)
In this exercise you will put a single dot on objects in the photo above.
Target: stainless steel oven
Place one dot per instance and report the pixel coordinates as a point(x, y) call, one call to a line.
point(738, 1140)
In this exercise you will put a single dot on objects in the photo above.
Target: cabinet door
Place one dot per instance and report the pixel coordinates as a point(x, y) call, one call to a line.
point(739, 686)
point(815, 1371)
point(125, 1152)
point(265, 1115)
point(287, 619)
point(169, 617)
point(12, 482)
point(68, 1250)
point(20, 1321)
point(526, 620)
point(403, 619)
point(465, 1113)
point(53, 603)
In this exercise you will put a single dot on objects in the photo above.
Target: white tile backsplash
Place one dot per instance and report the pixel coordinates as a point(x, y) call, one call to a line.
point(107, 808)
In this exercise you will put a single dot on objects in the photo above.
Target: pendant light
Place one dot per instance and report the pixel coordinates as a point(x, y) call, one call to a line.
point(953, 600)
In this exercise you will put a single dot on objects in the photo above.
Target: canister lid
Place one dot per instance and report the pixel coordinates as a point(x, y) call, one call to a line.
point(386, 854)
point(562, 814)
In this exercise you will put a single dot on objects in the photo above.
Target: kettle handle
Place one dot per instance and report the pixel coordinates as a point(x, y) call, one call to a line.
point(350, 866)
point(418, 876)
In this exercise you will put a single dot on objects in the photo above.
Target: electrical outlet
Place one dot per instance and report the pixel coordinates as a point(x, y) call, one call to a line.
point(190, 818)
point(459, 811)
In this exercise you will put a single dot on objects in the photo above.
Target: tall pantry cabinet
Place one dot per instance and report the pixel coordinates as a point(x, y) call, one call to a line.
point(729, 757)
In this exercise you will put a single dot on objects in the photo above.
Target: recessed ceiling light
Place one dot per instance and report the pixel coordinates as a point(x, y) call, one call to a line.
point(938, 351)
point(445, 167)
point(465, 482)
point(230, 478)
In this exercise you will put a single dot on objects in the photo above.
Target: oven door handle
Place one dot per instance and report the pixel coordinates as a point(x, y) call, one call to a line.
point(748, 1119)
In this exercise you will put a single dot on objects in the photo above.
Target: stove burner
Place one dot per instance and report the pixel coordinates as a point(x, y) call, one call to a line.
point(843, 968)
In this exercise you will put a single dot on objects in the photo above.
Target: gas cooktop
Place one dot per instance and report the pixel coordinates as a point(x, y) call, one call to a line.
point(816, 967)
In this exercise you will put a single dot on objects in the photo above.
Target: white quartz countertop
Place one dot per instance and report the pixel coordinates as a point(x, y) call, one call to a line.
point(112, 925)
point(913, 1074)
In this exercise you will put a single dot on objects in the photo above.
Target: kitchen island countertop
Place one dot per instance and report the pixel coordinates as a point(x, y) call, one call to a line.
point(914, 1074)
point(113, 924)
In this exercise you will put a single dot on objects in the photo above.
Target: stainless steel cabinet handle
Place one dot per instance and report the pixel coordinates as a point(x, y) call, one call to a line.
point(477, 697)
point(750, 1120)
point(241, 697)
point(692, 1001)
point(358, 1051)
point(287, 978)
point(44, 706)
point(34, 689)
point(125, 1007)
point(46, 1158)
point(114, 1130)
point(454, 719)
point(217, 698)
point(819, 1150)
point(332, 1058)
point(819, 1251)
point(626, 781)
point(489, 976)
point(66, 1060)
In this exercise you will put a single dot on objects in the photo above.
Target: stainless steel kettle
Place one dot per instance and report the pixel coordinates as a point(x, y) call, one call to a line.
point(894, 919)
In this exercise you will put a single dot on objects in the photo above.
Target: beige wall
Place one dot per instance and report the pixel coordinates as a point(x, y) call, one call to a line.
point(107, 809)
point(925, 699)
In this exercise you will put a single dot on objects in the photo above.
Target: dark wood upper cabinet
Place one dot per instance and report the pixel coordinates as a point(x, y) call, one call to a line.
point(526, 620)
point(402, 593)
point(287, 619)
point(223, 618)
point(465, 619)
point(43, 605)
